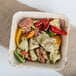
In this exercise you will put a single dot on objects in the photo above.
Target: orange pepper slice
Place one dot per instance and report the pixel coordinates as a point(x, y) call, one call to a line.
point(58, 39)
point(17, 37)
point(30, 34)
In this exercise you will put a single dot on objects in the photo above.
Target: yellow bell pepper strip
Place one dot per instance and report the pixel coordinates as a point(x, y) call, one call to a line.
point(17, 38)
point(58, 39)
point(30, 34)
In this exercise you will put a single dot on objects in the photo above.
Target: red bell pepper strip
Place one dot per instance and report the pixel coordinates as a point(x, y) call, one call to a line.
point(41, 27)
point(50, 19)
point(57, 31)
point(37, 24)
point(29, 58)
point(46, 21)
point(46, 24)
point(25, 53)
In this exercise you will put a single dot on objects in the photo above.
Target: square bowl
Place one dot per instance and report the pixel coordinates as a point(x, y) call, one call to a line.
point(38, 15)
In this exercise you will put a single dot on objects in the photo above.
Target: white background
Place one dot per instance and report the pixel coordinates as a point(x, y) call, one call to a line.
point(67, 7)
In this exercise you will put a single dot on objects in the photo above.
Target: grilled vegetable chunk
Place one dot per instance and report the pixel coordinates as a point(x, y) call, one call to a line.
point(24, 44)
point(33, 44)
point(40, 57)
point(43, 51)
point(33, 55)
point(46, 42)
point(42, 37)
point(19, 58)
point(55, 22)
point(55, 56)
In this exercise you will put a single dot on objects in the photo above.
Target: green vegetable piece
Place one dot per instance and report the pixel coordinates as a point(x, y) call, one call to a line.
point(33, 27)
point(33, 55)
point(24, 44)
point(19, 58)
point(34, 21)
point(51, 34)
point(47, 53)
point(55, 56)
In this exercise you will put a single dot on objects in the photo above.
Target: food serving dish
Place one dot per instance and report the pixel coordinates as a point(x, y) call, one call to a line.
point(39, 16)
